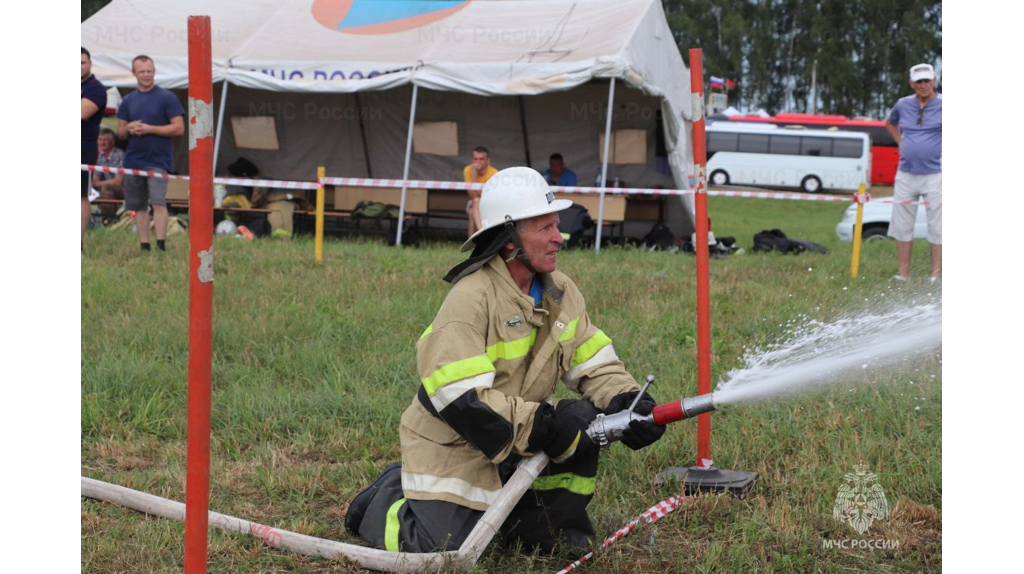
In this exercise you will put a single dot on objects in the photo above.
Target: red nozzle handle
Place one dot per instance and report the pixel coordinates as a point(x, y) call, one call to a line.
point(668, 413)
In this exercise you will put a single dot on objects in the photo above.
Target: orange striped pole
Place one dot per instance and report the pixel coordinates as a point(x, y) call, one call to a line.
point(200, 311)
point(701, 224)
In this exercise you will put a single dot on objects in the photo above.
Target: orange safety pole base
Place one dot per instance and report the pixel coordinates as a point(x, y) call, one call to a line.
point(703, 476)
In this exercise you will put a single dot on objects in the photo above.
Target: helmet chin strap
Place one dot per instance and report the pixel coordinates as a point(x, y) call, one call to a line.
point(510, 226)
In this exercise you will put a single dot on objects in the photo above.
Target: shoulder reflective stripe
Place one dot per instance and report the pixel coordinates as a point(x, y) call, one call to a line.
point(430, 329)
point(587, 350)
point(572, 482)
point(455, 486)
point(605, 355)
point(444, 396)
point(456, 372)
point(569, 332)
point(391, 529)
point(569, 451)
point(509, 350)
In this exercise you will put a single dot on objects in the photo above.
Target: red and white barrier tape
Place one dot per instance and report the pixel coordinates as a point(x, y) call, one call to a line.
point(125, 171)
point(272, 183)
point(458, 185)
point(411, 184)
point(660, 510)
point(779, 195)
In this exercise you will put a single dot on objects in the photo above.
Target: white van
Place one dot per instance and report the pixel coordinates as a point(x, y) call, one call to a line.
point(768, 155)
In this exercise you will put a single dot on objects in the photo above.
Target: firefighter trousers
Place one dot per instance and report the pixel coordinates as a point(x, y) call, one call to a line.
point(553, 510)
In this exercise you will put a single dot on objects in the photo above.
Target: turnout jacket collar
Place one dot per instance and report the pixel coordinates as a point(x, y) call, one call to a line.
point(486, 362)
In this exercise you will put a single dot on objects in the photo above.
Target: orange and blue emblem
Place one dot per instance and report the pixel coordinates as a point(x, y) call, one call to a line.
point(382, 16)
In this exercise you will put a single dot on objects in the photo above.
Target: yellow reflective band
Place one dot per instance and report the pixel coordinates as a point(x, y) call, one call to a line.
point(509, 350)
point(572, 482)
point(569, 332)
point(569, 451)
point(430, 329)
point(590, 348)
point(391, 529)
point(457, 371)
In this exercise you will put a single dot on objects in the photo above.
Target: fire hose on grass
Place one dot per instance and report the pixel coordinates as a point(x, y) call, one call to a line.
point(603, 430)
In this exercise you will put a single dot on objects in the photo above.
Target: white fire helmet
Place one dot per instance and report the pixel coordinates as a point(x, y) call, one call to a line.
point(226, 227)
point(514, 193)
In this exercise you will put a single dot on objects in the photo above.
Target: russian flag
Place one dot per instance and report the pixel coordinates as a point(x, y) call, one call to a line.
point(717, 82)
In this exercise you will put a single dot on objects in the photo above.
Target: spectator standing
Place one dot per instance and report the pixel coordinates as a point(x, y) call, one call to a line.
point(109, 185)
point(148, 118)
point(479, 171)
point(94, 101)
point(916, 124)
point(557, 173)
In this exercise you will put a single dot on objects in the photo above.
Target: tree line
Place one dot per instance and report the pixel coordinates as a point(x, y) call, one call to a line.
point(864, 49)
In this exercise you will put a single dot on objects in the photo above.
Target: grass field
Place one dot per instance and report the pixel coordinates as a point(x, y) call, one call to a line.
point(313, 366)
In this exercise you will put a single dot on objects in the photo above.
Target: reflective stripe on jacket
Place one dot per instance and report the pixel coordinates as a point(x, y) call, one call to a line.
point(485, 363)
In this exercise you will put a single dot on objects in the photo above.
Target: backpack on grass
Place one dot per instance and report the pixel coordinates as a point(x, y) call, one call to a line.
point(374, 210)
point(775, 240)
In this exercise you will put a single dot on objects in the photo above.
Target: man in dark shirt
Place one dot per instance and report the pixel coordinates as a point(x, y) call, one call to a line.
point(148, 118)
point(94, 101)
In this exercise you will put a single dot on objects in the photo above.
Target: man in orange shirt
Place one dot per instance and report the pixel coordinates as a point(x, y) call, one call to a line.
point(477, 172)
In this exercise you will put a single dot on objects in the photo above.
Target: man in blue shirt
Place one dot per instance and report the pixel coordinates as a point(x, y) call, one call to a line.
point(558, 174)
point(148, 118)
point(94, 101)
point(916, 124)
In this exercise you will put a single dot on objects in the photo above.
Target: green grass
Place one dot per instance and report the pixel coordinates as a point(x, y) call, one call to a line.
point(313, 366)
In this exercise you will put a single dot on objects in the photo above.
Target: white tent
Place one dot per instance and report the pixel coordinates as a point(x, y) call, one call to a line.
point(340, 82)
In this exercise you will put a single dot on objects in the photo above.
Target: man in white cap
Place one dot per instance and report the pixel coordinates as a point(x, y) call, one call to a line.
point(511, 327)
point(916, 124)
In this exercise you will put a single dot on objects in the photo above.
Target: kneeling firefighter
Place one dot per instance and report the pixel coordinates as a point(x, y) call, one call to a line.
point(510, 328)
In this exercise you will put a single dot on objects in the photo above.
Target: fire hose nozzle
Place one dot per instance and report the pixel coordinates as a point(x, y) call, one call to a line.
point(700, 404)
point(606, 429)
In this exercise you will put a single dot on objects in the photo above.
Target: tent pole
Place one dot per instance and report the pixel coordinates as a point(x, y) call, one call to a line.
point(220, 122)
point(405, 171)
point(604, 163)
point(526, 138)
point(362, 134)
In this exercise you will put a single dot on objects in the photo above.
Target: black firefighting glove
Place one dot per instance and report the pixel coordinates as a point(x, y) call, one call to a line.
point(560, 433)
point(640, 433)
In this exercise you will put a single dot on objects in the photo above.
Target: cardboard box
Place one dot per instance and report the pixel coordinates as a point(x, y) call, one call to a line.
point(346, 198)
point(258, 132)
point(436, 138)
point(614, 205)
point(644, 208)
point(629, 147)
point(177, 190)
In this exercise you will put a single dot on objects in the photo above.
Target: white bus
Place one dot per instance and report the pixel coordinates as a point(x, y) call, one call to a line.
point(765, 154)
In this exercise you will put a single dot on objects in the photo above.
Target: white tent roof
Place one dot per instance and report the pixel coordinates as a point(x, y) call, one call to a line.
point(493, 47)
point(481, 48)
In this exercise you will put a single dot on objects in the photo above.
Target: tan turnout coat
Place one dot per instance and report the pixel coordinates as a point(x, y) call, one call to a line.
point(490, 339)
